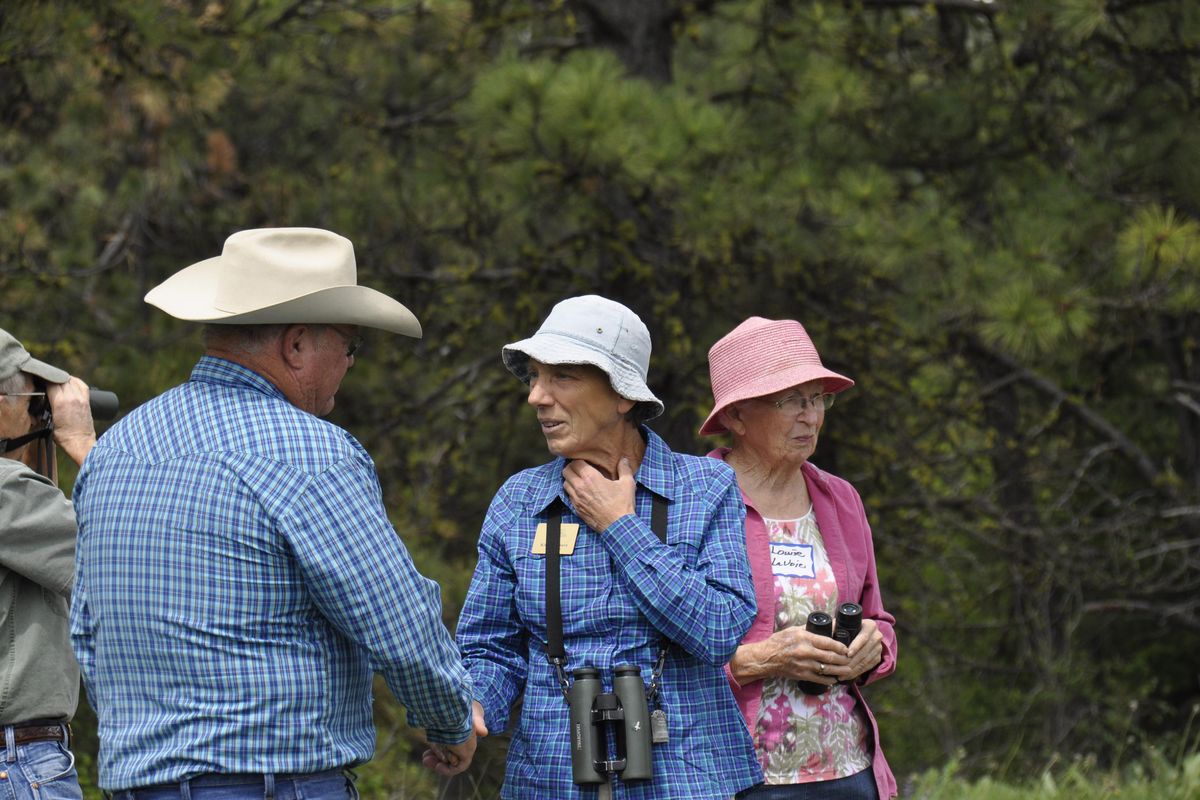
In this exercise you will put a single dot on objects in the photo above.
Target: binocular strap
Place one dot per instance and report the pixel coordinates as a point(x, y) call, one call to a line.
point(555, 651)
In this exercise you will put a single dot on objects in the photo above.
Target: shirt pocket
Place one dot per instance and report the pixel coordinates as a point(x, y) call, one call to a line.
point(530, 592)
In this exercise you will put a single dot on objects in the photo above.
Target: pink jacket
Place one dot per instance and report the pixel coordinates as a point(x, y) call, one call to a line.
point(847, 536)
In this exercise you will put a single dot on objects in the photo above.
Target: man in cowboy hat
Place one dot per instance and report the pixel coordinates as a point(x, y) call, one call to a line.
point(238, 578)
point(38, 673)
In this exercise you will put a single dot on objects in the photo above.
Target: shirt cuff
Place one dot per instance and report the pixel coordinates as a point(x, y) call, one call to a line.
point(445, 736)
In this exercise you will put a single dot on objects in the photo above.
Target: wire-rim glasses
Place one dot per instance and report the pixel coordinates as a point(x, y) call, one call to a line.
point(797, 404)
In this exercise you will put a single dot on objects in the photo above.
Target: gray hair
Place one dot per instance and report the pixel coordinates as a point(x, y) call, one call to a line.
point(248, 339)
point(641, 412)
point(17, 382)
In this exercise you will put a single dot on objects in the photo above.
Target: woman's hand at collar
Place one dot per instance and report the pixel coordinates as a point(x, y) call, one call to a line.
point(598, 501)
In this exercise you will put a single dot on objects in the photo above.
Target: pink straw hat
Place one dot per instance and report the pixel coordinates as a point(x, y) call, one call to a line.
point(761, 357)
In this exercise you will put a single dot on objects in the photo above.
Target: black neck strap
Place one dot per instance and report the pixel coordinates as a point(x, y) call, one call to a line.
point(554, 620)
point(8, 445)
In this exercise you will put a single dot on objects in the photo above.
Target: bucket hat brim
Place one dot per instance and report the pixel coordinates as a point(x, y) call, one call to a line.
point(555, 348)
point(834, 383)
point(594, 330)
point(759, 358)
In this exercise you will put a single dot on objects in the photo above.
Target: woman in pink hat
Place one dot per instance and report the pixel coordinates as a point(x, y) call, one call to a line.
point(810, 550)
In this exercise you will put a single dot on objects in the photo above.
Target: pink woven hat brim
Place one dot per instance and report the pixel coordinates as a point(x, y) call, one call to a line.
point(761, 357)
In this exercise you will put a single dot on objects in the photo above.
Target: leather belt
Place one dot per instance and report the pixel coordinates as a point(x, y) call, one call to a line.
point(38, 733)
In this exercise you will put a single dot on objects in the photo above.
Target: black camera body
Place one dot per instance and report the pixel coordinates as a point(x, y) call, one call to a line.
point(593, 712)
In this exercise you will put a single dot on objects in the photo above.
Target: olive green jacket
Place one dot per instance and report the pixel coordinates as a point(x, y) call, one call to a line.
point(39, 678)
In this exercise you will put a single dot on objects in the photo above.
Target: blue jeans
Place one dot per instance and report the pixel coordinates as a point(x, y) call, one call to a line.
point(38, 770)
point(334, 784)
point(853, 787)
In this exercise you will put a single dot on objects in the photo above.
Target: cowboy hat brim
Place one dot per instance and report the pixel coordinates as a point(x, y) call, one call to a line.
point(190, 295)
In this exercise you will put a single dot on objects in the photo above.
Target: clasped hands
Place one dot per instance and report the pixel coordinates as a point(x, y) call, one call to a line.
point(796, 654)
point(800, 655)
point(448, 760)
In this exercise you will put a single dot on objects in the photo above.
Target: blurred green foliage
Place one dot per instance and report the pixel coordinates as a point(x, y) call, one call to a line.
point(984, 212)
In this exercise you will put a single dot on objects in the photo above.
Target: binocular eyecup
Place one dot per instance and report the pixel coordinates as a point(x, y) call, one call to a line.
point(623, 710)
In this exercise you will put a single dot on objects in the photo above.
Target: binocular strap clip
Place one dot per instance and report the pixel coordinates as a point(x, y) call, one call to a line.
point(658, 726)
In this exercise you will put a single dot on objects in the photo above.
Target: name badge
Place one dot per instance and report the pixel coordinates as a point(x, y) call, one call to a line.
point(568, 533)
point(795, 560)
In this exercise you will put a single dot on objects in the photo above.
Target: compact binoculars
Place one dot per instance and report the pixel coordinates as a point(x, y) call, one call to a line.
point(849, 623)
point(594, 712)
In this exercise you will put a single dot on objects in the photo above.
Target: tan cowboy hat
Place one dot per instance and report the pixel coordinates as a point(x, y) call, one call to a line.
point(281, 276)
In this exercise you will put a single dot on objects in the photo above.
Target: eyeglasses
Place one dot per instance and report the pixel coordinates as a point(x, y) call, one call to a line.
point(39, 406)
point(354, 342)
point(797, 404)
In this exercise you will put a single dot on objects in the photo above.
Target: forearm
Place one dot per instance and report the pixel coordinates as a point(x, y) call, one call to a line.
point(752, 662)
point(77, 447)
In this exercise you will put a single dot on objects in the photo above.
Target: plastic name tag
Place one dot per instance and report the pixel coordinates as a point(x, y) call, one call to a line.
point(568, 533)
point(795, 560)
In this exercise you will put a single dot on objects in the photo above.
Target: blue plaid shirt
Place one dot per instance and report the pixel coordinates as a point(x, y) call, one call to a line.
point(622, 592)
point(239, 583)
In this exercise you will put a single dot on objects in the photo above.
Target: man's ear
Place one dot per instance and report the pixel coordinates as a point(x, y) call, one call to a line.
point(294, 344)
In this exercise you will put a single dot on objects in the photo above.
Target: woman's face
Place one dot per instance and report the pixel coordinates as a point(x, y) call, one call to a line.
point(580, 414)
point(782, 434)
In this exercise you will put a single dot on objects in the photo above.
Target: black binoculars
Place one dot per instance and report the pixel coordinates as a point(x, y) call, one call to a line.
point(594, 712)
point(103, 404)
point(849, 623)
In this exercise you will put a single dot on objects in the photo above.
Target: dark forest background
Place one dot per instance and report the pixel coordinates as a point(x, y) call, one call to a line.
point(984, 212)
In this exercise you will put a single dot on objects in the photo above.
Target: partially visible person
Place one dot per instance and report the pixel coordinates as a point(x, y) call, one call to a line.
point(238, 579)
point(810, 549)
point(675, 608)
point(40, 406)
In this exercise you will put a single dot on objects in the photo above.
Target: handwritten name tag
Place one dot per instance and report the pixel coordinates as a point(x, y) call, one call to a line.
point(568, 533)
point(795, 560)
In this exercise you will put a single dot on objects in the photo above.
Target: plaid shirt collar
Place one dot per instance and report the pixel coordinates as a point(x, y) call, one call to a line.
point(223, 372)
point(655, 474)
